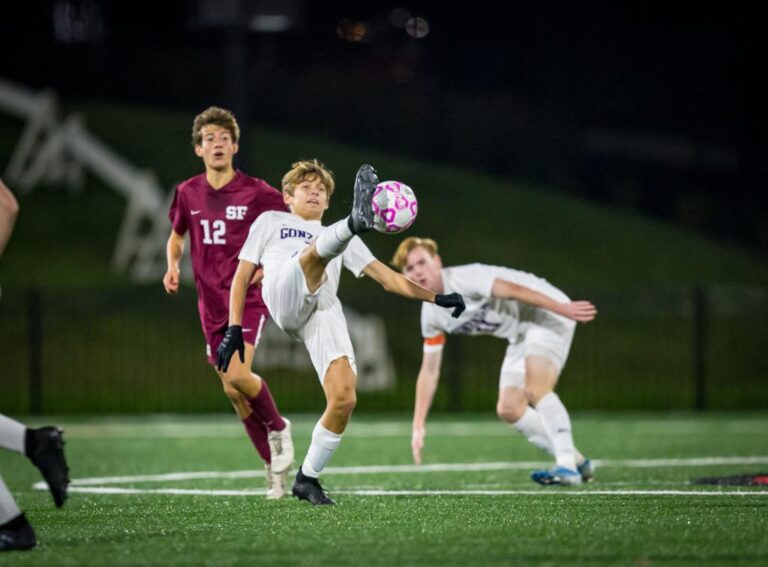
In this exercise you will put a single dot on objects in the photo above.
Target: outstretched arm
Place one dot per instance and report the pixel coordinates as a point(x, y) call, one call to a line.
point(173, 252)
point(395, 282)
point(9, 210)
point(240, 282)
point(233, 338)
point(582, 311)
point(426, 385)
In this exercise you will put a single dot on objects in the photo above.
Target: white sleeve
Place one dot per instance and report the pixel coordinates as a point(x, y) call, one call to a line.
point(253, 248)
point(473, 280)
point(429, 325)
point(357, 256)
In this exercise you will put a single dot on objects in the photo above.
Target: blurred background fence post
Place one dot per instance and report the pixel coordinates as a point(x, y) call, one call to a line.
point(700, 316)
point(35, 336)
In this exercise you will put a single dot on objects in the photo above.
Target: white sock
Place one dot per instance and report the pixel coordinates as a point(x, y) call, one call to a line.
point(531, 426)
point(324, 445)
point(557, 422)
point(12, 434)
point(8, 508)
point(334, 239)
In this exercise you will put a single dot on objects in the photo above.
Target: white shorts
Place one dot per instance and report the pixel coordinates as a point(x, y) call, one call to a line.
point(316, 319)
point(541, 333)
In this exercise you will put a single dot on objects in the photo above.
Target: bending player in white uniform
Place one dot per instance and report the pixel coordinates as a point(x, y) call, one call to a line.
point(537, 320)
point(301, 263)
point(44, 446)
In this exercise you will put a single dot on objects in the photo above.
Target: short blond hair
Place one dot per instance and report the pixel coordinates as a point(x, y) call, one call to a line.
point(401, 254)
point(307, 170)
point(218, 116)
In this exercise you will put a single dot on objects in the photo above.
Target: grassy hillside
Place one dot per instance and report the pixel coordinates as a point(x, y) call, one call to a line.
point(65, 239)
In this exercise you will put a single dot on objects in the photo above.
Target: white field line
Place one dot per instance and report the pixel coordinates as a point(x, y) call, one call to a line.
point(220, 429)
point(409, 469)
point(382, 492)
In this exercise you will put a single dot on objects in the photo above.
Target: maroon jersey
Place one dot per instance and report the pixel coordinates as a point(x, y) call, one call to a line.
point(218, 223)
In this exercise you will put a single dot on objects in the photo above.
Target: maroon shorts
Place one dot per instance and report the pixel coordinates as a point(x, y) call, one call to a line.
point(253, 325)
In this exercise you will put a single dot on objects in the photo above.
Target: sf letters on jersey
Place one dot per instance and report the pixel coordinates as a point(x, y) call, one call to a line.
point(236, 212)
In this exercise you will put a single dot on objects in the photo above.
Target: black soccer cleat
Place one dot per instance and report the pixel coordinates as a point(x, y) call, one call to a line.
point(45, 448)
point(17, 535)
point(361, 216)
point(309, 489)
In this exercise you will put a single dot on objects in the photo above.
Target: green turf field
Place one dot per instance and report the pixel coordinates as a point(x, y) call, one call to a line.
point(470, 503)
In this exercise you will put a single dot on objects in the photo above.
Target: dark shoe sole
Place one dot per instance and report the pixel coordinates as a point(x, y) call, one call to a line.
point(362, 207)
point(49, 459)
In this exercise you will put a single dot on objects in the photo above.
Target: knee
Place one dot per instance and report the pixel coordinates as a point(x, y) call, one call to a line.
point(511, 409)
point(231, 393)
point(343, 403)
point(242, 380)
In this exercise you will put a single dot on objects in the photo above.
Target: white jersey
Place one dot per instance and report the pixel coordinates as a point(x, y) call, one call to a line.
point(484, 314)
point(275, 237)
point(314, 318)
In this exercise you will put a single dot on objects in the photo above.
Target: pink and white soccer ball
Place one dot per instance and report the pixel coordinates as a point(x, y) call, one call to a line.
point(394, 207)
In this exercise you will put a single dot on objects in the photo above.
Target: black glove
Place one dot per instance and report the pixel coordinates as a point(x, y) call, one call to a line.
point(231, 343)
point(451, 300)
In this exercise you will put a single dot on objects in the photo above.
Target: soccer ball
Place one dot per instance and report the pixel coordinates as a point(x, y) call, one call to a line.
point(394, 207)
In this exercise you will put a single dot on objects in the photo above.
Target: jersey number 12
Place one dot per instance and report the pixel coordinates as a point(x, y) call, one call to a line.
point(219, 228)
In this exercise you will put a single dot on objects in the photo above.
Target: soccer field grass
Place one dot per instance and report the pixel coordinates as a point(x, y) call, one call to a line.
point(188, 490)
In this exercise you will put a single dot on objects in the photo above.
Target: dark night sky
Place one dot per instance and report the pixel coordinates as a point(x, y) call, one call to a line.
point(693, 72)
point(665, 79)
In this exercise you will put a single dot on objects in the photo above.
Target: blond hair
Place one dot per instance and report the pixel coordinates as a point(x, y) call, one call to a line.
point(401, 254)
point(218, 116)
point(308, 170)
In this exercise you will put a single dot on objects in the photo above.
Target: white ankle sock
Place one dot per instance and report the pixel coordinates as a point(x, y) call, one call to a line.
point(324, 445)
point(557, 422)
point(334, 239)
point(12, 434)
point(8, 508)
point(531, 426)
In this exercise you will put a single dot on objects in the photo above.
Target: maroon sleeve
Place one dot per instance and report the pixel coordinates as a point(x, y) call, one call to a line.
point(178, 213)
point(272, 199)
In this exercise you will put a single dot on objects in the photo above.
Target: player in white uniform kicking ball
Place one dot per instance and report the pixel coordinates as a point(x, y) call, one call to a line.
point(538, 321)
point(301, 262)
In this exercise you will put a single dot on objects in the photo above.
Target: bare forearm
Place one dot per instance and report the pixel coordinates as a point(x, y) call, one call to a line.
point(426, 386)
point(395, 282)
point(538, 299)
point(582, 311)
point(508, 290)
point(238, 291)
point(174, 250)
point(410, 289)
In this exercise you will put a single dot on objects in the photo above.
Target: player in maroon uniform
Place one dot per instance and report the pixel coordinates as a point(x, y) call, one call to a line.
point(217, 208)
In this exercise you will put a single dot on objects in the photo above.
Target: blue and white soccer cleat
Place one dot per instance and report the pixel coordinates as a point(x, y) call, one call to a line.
point(557, 475)
point(586, 470)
